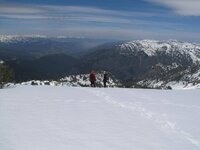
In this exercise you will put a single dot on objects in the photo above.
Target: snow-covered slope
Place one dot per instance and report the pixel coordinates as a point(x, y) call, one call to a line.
point(170, 63)
point(171, 47)
point(81, 80)
point(187, 81)
point(64, 118)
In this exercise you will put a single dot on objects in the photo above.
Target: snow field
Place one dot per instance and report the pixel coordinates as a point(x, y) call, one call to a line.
point(60, 118)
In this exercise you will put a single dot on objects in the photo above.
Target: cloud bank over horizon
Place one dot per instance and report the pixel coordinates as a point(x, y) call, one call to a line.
point(181, 7)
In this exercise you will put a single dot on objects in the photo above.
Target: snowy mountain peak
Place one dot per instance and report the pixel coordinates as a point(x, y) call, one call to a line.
point(170, 47)
point(17, 38)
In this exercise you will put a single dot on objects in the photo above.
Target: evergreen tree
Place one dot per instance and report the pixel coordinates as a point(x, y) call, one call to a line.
point(6, 74)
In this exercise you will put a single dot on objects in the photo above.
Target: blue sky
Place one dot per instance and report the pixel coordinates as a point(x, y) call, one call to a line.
point(108, 19)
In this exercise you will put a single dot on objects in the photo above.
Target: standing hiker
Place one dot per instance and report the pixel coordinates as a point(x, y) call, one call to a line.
point(105, 79)
point(93, 79)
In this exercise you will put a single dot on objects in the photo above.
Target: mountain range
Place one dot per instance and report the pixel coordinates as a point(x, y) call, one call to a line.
point(139, 63)
point(34, 46)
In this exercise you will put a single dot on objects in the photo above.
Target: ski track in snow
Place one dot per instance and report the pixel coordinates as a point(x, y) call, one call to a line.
point(160, 119)
point(145, 120)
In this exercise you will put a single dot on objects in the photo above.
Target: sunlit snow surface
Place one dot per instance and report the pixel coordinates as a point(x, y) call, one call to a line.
point(170, 47)
point(67, 118)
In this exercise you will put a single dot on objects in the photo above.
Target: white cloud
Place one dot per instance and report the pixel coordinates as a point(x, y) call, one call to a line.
point(69, 13)
point(74, 18)
point(94, 10)
point(18, 16)
point(16, 9)
point(56, 10)
point(181, 7)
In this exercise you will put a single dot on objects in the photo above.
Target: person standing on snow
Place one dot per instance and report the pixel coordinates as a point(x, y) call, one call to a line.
point(105, 79)
point(93, 79)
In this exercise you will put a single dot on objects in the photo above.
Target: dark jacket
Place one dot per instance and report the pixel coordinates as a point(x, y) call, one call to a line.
point(105, 78)
point(92, 77)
